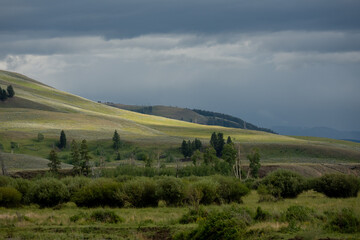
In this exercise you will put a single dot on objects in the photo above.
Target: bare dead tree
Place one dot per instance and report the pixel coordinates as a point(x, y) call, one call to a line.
point(237, 165)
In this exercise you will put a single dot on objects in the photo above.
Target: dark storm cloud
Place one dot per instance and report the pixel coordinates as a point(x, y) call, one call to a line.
point(271, 62)
point(128, 18)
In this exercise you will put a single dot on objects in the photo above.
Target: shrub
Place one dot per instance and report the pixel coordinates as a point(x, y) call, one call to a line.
point(230, 189)
point(9, 197)
point(193, 215)
point(192, 195)
point(344, 221)
point(105, 216)
point(171, 190)
point(208, 189)
point(7, 181)
point(218, 225)
point(141, 192)
point(264, 194)
point(74, 184)
point(240, 213)
point(40, 137)
point(337, 185)
point(284, 184)
point(77, 217)
point(24, 186)
point(298, 214)
point(99, 192)
point(142, 156)
point(261, 215)
point(48, 192)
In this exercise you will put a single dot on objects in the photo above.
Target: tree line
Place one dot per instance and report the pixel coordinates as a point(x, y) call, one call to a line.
point(6, 93)
point(225, 120)
point(219, 149)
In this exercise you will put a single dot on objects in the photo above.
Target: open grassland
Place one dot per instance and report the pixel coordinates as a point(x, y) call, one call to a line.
point(37, 108)
point(163, 222)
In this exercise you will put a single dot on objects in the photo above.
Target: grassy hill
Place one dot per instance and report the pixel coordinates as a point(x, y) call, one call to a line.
point(38, 108)
point(192, 115)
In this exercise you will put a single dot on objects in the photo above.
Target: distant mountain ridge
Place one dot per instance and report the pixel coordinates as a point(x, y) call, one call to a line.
point(319, 132)
point(192, 115)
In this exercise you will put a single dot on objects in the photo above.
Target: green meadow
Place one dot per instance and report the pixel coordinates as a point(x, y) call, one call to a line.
point(163, 222)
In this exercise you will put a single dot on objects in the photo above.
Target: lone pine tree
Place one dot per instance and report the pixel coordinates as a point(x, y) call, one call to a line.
point(116, 141)
point(62, 142)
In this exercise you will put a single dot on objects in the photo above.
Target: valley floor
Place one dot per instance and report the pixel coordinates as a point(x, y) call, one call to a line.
point(163, 222)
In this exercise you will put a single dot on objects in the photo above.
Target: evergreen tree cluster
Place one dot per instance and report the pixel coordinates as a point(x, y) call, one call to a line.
point(189, 147)
point(217, 142)
point(6, 93)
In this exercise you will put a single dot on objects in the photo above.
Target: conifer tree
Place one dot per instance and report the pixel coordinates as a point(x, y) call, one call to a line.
point(54, 164)
point(62, 143)
point(229, 141)
point(10, 91)
point(84, 158)
point(75, 157)
point(213, 140)
point(184, 148)
point(220, 144)
point(3, 96)
point(254, 166)
point(198, 144)
point(116, 140)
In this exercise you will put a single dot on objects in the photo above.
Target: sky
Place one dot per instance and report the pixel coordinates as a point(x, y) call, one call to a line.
point(269, 62)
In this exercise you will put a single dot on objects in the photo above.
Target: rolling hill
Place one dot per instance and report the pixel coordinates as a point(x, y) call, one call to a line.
point(38, 108)
point(192, 115)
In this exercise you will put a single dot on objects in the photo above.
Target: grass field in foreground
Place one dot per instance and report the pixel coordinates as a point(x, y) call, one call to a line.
point(162, 222)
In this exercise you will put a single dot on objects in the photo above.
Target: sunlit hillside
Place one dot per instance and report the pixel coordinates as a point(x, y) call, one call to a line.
point(37, 108)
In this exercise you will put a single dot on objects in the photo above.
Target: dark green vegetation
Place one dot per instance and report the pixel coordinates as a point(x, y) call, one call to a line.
point(213, 207)
point(124, 192)
point(6, 93)
point(192, 115)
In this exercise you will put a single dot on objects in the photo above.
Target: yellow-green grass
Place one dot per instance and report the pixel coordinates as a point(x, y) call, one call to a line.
point(82, 114)
point(38, 108)
point(38, 223)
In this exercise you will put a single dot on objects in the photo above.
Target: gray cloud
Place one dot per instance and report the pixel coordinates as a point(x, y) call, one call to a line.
point(138, 17)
